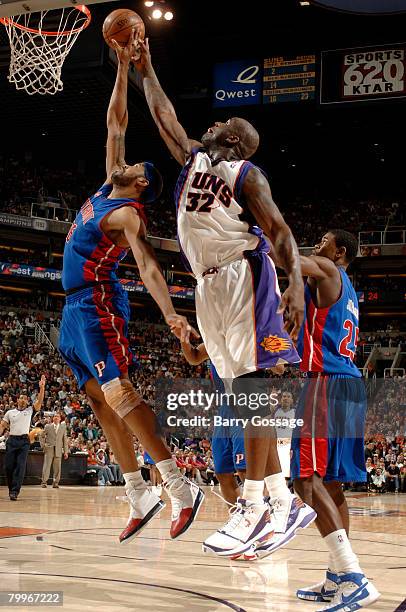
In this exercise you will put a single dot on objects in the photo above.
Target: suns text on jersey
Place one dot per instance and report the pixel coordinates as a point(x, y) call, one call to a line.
point(205, 181)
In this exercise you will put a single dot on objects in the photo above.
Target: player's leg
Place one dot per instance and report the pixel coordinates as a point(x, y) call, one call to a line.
point(222, 451)
point(186, 497)
point(289, 512)
point(229, 488)
point(117, 433)
point(108, 358)
point(80, 337)
point(270, 345)
point(335, 490)
point(228, 290)
point(144, 504)
point(320, 458)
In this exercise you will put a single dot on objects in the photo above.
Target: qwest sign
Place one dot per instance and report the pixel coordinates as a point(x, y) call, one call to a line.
point(237, 83)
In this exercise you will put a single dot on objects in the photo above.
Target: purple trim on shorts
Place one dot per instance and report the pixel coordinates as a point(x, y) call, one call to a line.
point(267, 322)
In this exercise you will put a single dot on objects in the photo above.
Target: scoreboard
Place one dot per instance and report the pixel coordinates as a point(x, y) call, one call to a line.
point(342, 75)
point(289, 79)
point(363, 74)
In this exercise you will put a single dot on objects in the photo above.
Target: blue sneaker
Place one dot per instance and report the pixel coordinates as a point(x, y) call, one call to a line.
point(354, 592)
point(287, 516)
point(324, 591)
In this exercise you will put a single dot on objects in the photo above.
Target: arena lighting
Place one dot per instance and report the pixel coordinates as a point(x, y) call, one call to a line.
point(168, 15)
point(149, 3)
point(304, 3)
point(157, 14)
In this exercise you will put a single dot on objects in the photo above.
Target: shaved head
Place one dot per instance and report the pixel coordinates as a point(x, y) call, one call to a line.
point(235, 134)
point(248, 135)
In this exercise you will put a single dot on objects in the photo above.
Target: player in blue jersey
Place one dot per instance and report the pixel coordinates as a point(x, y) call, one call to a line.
point(329, 449)
point(94, 325)
point(228, 442)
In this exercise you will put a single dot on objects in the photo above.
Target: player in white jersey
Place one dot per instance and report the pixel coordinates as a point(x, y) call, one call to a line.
point(223, 201)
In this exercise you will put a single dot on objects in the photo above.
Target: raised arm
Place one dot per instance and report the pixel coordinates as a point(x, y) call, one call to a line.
point(117, 114)
point(319, 268)
point(126, 219)
point(40, 398)
point(162, 110)
point(258, 196)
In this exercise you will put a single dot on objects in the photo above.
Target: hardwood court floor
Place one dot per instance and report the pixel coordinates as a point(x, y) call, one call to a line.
point(66, 540)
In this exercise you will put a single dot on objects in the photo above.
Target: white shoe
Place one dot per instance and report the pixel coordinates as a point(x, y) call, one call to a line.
point(186, 499)
point(248, 523)
point(323, 591)
point(287, 516)
point(157, 490)
point(144, 505)
point(354, 592)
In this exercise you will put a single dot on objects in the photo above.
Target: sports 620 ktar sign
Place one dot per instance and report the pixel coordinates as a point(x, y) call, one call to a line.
point(368, 73)
point(237, 83)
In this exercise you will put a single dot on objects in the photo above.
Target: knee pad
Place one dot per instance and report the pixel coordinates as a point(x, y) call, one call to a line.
point(121, 396)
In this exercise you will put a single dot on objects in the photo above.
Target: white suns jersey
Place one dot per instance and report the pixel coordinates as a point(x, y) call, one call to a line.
point(211, 229)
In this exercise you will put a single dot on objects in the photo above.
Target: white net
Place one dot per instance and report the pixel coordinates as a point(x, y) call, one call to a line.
point(39, 45)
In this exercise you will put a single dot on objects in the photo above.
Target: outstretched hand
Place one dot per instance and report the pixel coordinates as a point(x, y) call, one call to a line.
point(181, 328)
point(292, 303)
point(131, 49)
point(142, 58)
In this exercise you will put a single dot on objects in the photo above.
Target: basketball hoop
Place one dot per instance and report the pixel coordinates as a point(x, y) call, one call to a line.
point(37, 52)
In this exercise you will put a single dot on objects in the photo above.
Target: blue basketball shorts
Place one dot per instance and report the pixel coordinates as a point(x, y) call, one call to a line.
point(93, 335)
point(331, 440)
point(228, 445)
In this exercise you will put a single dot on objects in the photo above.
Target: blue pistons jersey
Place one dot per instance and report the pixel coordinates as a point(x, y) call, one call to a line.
point(93, 337)
point(328, 337)
point(89, 255)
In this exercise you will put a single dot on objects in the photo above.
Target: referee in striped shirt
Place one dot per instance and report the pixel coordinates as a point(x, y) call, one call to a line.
point(18, 421)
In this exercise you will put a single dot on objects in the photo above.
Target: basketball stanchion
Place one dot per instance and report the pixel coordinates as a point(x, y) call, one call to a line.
point(38, 53)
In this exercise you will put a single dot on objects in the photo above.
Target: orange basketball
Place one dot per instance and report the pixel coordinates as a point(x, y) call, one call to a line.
point(118, 26)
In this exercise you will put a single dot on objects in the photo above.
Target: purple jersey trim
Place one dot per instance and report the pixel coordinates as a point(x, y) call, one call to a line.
point(180, 184)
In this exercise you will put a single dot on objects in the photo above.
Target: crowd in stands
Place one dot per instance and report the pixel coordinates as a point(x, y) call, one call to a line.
point(23, 182)
point(385, 464)
point(158, 358)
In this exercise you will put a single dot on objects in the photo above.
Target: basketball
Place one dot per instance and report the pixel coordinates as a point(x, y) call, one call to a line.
point(118, 26)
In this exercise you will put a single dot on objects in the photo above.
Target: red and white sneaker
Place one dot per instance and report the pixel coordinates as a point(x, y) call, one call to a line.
point(144, 505)
point(186, 499)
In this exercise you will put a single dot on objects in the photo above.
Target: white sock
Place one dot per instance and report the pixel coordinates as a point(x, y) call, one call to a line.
point(331, 563)
point(168, 468)
point(253, 491)
point(340, 550)
point(135, 479)
point(276, 485)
